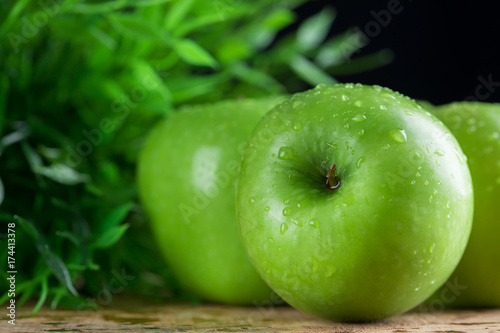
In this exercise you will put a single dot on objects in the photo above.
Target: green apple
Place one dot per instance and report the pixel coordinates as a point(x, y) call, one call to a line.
point(186, 176)
point(353, 202)
point(477, 128)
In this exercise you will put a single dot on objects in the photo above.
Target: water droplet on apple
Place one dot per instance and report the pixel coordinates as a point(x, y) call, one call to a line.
point(283, 228)
point(417, 174)
point(333, 146)
point(413, 182)
point(398, 135)
point(303, 203)
point(360, 161)
point(297, 222)
point(286, 153)
point(361, 132)
point(252, 200)
point(449, 215)
point(430, 198)
point(267, 208)
point(434, 191)
point(439, 152)
point(297, 126)
point(359, 118)
point(426, 182)
point(383, 107)
point(297, 104)
point(385, 95)
point(346, 126)
point(287, 211)
point(431, 249)
point(314, 222)
point(345, 98)
point(448, 204)
point(358, 104)
point(271, 240)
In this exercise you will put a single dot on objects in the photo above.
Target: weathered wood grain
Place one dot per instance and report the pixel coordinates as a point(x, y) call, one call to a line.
point(134, 316)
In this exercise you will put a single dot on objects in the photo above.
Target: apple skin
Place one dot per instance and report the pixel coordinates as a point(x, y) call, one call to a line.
point(388, 237)
point(186, 177)
point(476, 126)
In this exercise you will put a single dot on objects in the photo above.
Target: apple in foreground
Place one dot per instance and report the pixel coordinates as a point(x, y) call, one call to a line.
point(353, 202)
point(477, 128)
point(186, 175)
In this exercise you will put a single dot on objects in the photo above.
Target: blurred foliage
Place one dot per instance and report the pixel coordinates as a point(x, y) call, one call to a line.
point(82, 81)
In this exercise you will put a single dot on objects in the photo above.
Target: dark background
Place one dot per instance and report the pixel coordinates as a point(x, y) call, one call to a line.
point(440, 48)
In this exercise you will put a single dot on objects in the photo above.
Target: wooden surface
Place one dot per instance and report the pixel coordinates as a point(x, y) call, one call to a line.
point(134, 316)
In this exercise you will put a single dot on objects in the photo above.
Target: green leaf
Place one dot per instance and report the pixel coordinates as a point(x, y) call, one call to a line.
point(62, 174)
point(58, 268)
point(194, 54)
point(34, 160)
point(69, 236)
point(364, 63)
point(4, 97)
point(150, 80)
point(108, 6)
point(103, 37)
point(43, 295)
point(183, 91)
point(137, 28)
point(53, 262)
point(255, 77)
point(109, 237)
point(19, 135)
point(13, 16)
point(309, 72)
point(95, 8)
point(278, 19)
point(177, 13)
point(115, 217)
point(339, 49)
point(315, 29)
point(2, 192)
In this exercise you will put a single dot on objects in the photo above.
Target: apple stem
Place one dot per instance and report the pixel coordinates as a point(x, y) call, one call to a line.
point(333, 182)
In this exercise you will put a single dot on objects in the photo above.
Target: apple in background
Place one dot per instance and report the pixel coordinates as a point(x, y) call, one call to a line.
point(353, 202)
point(477, 128)
point(186, 175)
